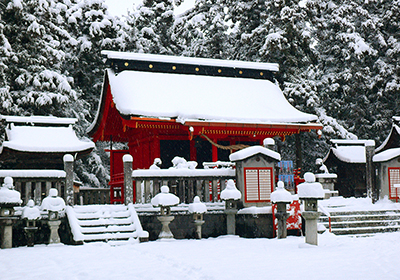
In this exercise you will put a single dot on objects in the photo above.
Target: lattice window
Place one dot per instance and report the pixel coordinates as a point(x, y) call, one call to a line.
point(394, 178)
point(258, 184)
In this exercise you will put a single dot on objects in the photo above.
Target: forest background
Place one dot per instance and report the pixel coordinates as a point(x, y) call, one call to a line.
point(339, 59)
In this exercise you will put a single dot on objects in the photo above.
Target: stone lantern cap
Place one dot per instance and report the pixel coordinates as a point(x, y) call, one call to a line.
point(280, 195)
point(230, 191)
point(7, 193)
point(165, 199)
point(53, 202)
point(197, 207)
point(310, 188)
point(30, 212)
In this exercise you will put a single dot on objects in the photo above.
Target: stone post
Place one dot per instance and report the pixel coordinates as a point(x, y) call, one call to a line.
point(197, 208)
point(9, 198)
point(69, 179)
point(281, 197)
point(128, 184)
point(230, 211)
point(310, 191)
point(6, 232)
point(372, 191)
point(231, 195)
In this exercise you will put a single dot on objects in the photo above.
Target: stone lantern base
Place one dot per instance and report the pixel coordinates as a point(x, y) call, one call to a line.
point(165, 231)
point(311, 218)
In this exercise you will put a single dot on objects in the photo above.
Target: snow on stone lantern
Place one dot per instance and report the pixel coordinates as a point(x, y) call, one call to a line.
point(30, 214)
point(327, 179)
point(310, 192)
point(197, 208)
point(55, 207)
point(9, 198)
point(281, 198)
point(165, 201)
point(231, 195)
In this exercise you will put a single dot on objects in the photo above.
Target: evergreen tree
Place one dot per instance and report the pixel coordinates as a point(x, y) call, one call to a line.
point(37, 83)
point(357, 78)
point(202, 30)
point(153, 21)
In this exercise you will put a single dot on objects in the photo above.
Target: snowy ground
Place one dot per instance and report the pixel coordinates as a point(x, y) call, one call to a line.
point(226, 257)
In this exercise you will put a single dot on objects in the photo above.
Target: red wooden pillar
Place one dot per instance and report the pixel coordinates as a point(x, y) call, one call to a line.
point(193, 151)
point(214, 151)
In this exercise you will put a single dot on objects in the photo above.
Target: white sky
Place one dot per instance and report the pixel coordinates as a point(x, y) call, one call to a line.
point(120, 7)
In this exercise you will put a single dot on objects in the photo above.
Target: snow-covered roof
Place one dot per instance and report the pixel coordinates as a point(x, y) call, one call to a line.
point(44, 139)
point(386, 155)
point(394, 131)
point(190, 60)
point(350, 154)
point(202, 98)
point(38, 119)
point(253, 150)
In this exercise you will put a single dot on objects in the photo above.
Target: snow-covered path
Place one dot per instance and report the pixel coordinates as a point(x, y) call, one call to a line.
point(226, 257)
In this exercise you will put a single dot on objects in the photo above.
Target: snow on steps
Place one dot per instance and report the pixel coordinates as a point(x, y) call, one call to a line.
point(361, 223)
point(115, 224)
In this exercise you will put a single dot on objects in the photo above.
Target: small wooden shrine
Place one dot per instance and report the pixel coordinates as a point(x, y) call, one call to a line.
point(39, 142)
point(199, 109)
point(387, 163)
point(347, 158)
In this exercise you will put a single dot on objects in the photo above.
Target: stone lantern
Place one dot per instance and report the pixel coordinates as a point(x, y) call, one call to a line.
point(197, 208)
point(310, 192)
point(231, 195)
point(281, 198)
point(55, 206)
point(9, 198)
point(165, 201)
point(30, 214)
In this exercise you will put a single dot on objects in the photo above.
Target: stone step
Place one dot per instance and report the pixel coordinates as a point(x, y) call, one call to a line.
point(104, 223)
point(365, 230)
point(364, 223)
point(367, 217)
point(362, 212)
point(361, 223)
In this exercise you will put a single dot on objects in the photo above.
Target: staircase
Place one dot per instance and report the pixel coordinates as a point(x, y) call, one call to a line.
point(115, 224)
point(361, 223)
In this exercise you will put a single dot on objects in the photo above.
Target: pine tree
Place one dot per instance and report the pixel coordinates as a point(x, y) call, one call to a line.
point(153, 21)
point(37, 83)
point(357, 81)
point(202, 30)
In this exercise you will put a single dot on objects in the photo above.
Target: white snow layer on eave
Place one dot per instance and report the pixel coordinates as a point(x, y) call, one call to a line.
point(253, 150)
point(191, 60)
point(45, 139)
point(32, 173)
point(38, 119)
point(350, 154)
point(386, 155)
point(191, 97)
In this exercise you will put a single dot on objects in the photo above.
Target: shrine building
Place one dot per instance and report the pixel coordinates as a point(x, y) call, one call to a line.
point(199, 109)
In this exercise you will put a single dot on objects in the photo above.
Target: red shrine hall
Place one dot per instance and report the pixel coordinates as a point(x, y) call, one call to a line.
point(165, 106)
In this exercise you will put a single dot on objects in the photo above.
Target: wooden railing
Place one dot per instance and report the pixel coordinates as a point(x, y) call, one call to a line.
point(35, 184)
point(87, 196)
point(184, 183)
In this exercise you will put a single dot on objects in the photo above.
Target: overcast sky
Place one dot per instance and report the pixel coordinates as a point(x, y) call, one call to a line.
point(120, 7)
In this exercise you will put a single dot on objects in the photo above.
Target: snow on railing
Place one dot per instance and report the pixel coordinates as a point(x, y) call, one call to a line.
point(326, 212)
point(185, 183)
